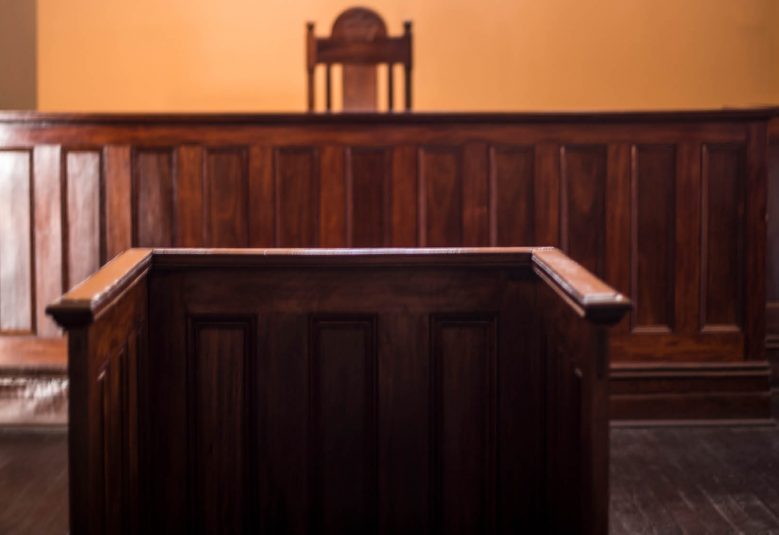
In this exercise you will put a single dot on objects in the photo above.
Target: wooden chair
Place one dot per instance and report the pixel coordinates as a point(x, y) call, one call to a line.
point(359, 43)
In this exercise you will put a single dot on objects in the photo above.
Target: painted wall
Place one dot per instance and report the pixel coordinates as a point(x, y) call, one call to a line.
point(248, 55)
point(17, 55)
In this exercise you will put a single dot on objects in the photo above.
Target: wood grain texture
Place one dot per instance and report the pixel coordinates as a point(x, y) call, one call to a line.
point(16, 268)
point(83, 214)
point(118, 187)
point(373, 392)
point(48, 236)
point(226, 189)
point(462, 179)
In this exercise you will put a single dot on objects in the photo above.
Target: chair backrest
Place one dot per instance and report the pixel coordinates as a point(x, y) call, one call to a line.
point(359, 43)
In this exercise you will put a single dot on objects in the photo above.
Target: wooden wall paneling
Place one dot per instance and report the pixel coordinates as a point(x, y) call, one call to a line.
point(297, 196)
point(688, 238)
point(463, 423)
point(261, 196)
point(772, 256)
point(404, 195)
point(226, 192)
point(546, 190)
point(754, 230)
point(653, 238)
point(221, 431)
point(118, 199)
point(440, 196)
point(190, 229)
point(343, 401)
point(17, 302)
point(369, 196)
point(512, 195)
point(722, 237)
point(48, 235)
point(619, 207)
point(154, 172)
point(476, 195)
point(335, 206)
point(583, 204)
point(83, 213)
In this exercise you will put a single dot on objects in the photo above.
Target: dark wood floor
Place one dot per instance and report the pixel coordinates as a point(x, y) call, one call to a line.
point(663, 481)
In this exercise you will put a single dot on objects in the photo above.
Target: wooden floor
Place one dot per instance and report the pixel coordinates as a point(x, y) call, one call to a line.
point(663, 481)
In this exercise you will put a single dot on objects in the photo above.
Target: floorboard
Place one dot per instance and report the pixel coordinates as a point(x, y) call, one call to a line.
point(663, 480)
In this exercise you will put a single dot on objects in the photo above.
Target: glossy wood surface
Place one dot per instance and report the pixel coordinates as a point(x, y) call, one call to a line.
point(667, 207)
point(339, 390)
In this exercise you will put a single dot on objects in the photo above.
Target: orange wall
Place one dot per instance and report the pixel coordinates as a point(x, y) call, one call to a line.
point(247, 55)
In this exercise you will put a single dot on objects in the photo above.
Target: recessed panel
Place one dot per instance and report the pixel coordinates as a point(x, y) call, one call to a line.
point(343, 424)
point(369, 172)
point(464, 401)
point(227, 187)
point(511, 192)
point(219, 408)
point(15, 242)
point(297, 197)
point(654, 236)
point(583, 209)
point(441, 192)
point(153, 218)
point(83, 183)
point(723, 230)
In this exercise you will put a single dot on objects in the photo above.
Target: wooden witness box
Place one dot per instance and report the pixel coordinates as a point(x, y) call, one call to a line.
point(339, 391)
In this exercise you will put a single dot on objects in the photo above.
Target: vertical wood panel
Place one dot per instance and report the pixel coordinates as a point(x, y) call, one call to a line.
point(154, 211)
point(754, 225)
point(334, 204)
point(219, 433)
point(583, 204)
point(653, 236)
point(189, 212)
point(48, 235)
point(368, 191)
point(440, 197)
point(118, 213)
point(618, 223)
point(463, 423)
point(512, 214)
point(547, 195)
point(261, 197)
point(476, 195)
point(297, 196)
point(688, 238)
point(405, 190)
point(343, 418)
point(83, 213)
point(772, 253)
point(722, 236)
point(227, 195)
point(16, 269)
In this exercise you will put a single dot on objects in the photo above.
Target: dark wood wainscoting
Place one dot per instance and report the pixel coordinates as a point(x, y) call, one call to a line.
point(669, 208)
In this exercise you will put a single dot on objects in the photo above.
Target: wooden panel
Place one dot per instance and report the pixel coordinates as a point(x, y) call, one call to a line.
point(476, 195)
point(583, 204)
point(512, 195)
point(16, 273)
point(547, 195)
point(153, 217)
point(722, 179)
point(405, 205)
point(344, 424)
point(297, 196)
point(48, 235)
point(618, 224)
point(653, 236)
point(189, 188)
point(261, 200)
point(463, 408)
point(83, 214)
point(772, 278)
point(220, 438)
point(227, 194)
point(368, 193)
point(334, 203)
point(118, 212)
point(440, 197)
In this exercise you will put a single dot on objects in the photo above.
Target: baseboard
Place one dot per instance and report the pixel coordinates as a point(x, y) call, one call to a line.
point(690, 392)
